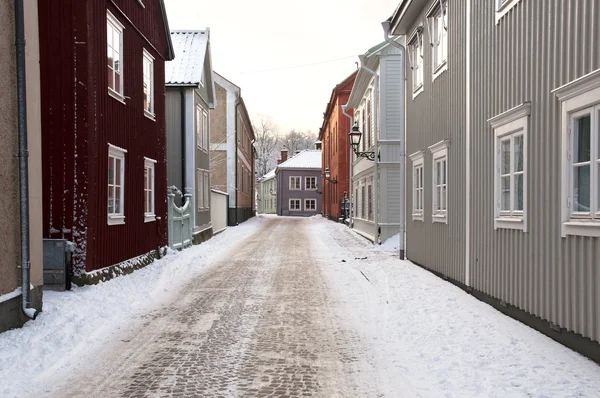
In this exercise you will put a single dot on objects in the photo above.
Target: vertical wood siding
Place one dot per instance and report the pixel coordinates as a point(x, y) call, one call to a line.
point(435, 115)
point(537, 47)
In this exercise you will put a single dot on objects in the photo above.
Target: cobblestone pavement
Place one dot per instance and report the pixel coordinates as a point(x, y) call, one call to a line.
point(261, 323)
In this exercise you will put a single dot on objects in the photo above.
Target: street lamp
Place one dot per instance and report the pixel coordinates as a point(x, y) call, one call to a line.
point(328, 176)
point(355, 136)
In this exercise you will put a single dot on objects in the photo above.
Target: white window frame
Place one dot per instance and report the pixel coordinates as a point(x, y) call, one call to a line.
point(578, 95)
point(149, 164)
point(205, 130)
point(117, 218)
point(415, 49)
point(306, 201)
point(508, 125)
point(148, 59)
point(439, 152)
point(503, 7)
point(437, 21)
point(299, 185)
point(112, 22)
point(306, 184)
point(299, 204)
point(198, 124)
point(418, 161)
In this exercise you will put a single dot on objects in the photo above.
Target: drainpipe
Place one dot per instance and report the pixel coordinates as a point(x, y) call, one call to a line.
point(183, 137)
point(23, 159)
point(386, 29)
point(376, 184)
point(351, 187)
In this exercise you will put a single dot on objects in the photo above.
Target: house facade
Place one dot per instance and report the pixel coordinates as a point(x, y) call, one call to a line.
point(11, 295)
point(519, 153)
point(190, 97)
point(232, 151)
point(104, 139)
point(336, 149)
point(267, 193)
point(298, 191)
point(378, 105)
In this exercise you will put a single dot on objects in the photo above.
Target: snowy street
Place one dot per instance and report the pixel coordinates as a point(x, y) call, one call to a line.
point(280, 307)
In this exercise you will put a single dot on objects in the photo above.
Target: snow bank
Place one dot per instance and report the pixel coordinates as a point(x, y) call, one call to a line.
point(80, 321)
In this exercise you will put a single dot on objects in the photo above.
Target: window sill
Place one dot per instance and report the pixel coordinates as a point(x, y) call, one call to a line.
point(581, 228)
point(116, 220)
point(509, 223)
point(116, 95)
point(418, 217)
point(439, 218)
point(149, 217)
point(150, 115)
point(439, 70)
point(418, 91)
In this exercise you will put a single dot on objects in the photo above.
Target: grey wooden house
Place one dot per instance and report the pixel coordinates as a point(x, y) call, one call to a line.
point(190, 96)
point(298, 184)
point(503, 135)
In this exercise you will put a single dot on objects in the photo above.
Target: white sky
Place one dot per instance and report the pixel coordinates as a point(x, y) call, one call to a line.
point(251, 38)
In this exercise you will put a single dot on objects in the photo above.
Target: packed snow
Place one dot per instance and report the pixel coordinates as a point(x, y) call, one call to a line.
point(432, 338)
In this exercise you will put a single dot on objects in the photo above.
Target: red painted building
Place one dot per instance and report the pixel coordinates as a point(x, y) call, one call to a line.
point(103, 127)
point(336, 149)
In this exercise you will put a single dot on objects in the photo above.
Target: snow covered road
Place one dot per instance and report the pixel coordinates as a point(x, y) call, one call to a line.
point(283, 307)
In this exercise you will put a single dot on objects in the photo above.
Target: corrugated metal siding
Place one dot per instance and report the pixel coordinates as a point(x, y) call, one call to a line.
point(437, 114)
point(536, 47)
point(174, 139)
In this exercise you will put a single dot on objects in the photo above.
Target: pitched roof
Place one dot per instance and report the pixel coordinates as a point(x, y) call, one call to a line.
point(163, 11)
point(190, 53)
point(268, 176)
point(307, 159)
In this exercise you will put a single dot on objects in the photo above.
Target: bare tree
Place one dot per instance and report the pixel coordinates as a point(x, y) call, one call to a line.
point(266, 134)
point(296, 140)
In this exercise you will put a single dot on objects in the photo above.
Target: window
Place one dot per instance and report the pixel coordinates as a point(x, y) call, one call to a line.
point(363, 142)
point(416, 61)
point(114, 41)
point(198, 127)
point(503, 7)
point(510, 181)
point(356, 202)
point(295, 205)
point(370, 202)
point(369, 131)
point(437, 22)
point(363, 202)
point(310, 183)
point(116, 185)
point(439, 153)
point(580, 113)
point(148, 72)
point(418, 186)
point(149, 190)
point(202, 189)
point(310, 204)
point(295, 183)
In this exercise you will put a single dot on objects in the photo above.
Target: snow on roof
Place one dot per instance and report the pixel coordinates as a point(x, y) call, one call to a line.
point(190, 52)
point(306, 159)
point(269, 175)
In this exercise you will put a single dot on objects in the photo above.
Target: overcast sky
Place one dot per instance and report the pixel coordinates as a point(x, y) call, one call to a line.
point(285, 55)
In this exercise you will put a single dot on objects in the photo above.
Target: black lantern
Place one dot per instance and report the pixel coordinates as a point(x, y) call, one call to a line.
point(355, 136)
point(328, 176)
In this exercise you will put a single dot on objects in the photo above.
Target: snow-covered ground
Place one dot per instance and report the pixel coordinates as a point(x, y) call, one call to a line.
point(431, 338)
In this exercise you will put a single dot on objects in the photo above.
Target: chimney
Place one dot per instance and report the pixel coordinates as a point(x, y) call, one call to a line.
point(284, 154)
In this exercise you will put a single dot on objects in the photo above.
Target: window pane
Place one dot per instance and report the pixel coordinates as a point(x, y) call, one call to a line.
point(111, 171)
point(444, 172)
point(443, 198)
point(111, 75)
point(118, 200)
point(118, 171)
point(146, 178)
point(111, 200)
point(581, 139)
point(109, 35)
point(519, 192)
point(581, 188)
point(505, 156)
point(117, 82)
point(518, 153)
point(117, 60)
point(505, 193)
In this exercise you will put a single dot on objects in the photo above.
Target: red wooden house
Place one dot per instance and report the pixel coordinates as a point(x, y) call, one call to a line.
point(336, 149)
point(103, 127)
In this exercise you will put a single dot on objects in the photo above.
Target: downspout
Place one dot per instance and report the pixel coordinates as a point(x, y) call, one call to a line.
point(376, 149)
point(351, 163)
point(183, 137)
point(386, 28)
point(235, 183)
point(23, 161)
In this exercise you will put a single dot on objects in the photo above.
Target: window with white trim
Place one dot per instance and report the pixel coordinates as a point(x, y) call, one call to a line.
point(370, 201)
point(149, 190)
point(580, 114)
point(437, 21)
point(202, 189)
point(503, 7)
point(148, 74)
point(198, 127)
point(363, 201)
point(114, 41)
point(295, 205)
point(116, 185)
point(310, 204)
point(439, 154)
point(418, 185)
point(510, 167)
point(205, 143)
point(415, 50)
point(310, 183)
point(295, 183)
point(369, 132)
